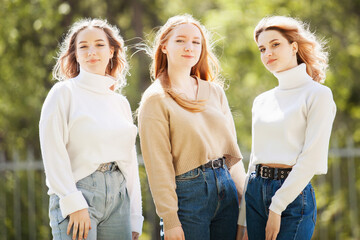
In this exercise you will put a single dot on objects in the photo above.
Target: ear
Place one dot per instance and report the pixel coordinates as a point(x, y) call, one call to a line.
point(163, 49)
point(112, 52)
point(295, 47)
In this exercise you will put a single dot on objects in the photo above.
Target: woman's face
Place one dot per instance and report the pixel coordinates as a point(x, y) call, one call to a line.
point(183, 48)
point(93, 51)
point(277, 54)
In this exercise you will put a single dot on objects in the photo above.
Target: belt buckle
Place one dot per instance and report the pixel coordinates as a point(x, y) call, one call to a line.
point(212, 164)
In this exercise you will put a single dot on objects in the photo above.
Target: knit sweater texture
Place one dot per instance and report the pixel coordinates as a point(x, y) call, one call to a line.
point(82, 125)
point(175, 140)
point(291, 124)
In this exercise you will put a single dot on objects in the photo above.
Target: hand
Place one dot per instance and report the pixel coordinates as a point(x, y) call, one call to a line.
point(79, 221)
point(135, 236)
point(241, 233)
point(175, 233)
point(273, 226)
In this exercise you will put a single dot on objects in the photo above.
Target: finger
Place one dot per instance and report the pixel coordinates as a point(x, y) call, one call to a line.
point(69, 227)
point(87, 228)
point(274, 236)
point(81, 230)
point(75, 229)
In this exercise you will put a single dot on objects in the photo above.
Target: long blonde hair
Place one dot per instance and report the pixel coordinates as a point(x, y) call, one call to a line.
point(310, 49)
point(207, 68)
point(66, 65)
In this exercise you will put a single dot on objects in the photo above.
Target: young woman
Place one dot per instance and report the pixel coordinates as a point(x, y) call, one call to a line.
point(188, 138)
point(87, 139)
point(290, 133)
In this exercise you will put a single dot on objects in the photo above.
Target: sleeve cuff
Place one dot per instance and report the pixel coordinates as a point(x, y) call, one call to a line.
point(72, 202)
point(171, 220)
point(137, 223)
point(276, 207)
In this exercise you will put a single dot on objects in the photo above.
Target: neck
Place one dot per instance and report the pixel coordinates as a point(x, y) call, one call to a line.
point(293, 78)
point(179, 77)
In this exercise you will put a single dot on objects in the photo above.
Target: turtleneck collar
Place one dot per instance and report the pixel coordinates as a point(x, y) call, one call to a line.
point(293, 78)
point(95, 82)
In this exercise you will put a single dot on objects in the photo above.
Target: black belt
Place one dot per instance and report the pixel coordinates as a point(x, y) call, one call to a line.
point(272, 173)
point(214, 164)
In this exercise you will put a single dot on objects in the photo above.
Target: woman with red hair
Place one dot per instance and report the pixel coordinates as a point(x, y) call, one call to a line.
point(188, 137)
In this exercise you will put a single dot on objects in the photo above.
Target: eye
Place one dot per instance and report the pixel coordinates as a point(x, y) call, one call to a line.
point(179, 41)
point(83, 46)
point(100, 45)
point(276, 44)
point(196, 42)
point(262, 50)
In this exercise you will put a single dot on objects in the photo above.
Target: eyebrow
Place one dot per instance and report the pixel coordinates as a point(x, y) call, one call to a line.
point(182, 36)
point(269, 42)
point(98, 40)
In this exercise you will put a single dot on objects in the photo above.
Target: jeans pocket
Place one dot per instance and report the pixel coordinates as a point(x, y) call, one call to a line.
point(251, 177)
point(55, 214)
point(88, 194)
point(190, 175)
point(87, 182)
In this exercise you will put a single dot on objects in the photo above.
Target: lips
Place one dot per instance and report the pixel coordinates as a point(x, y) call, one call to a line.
point(93, 60)
point(271, 61)
point(187, 56)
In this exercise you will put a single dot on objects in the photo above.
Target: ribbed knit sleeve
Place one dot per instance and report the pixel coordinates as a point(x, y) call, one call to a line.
point(156, 150)
point(53, 129)
point(133, 183)
point(313, 157)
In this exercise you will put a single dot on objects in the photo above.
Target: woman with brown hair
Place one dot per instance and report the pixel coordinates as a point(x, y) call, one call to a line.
point(188, 138)
point(87, 139)
point(291, 127)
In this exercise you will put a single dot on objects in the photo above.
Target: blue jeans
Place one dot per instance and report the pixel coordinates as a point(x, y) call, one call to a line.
point(208, 204)
point(109, 207)
point(297, 220)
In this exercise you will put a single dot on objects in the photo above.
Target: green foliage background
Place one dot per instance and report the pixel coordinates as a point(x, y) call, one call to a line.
point(30, 31)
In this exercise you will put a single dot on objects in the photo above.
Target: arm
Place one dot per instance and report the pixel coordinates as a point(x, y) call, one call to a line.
point(237, 169)
point(313, 158)
point(156, 149)
point(133, 184)
point(53, 129)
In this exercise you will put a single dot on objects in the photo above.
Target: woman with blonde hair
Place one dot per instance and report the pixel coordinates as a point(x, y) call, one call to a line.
point(188, 139)
point(291, 127)
point(87, 139)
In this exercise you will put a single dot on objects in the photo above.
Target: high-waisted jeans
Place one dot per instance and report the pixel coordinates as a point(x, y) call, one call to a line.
point(109, 207)
point(208, 204)
point(297, 220)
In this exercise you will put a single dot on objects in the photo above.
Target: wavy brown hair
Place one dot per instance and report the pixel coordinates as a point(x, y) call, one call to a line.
point(207, 68)
point(311, 50)
point(66, 64)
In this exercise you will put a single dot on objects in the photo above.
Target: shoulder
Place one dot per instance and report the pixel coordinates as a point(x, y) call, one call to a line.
point(264, 96)
point(319, 92)
point(154, 92)
point(60, 90)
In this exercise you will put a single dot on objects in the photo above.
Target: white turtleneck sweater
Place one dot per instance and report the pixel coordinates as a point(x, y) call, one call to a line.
point(82, 125)
point(291, 124)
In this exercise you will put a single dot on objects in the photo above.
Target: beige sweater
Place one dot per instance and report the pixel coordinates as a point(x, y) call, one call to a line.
point(174, 141)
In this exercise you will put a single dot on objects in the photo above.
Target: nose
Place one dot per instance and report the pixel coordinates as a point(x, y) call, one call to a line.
point(268, 52)
point(188, 47)
point(91, 51)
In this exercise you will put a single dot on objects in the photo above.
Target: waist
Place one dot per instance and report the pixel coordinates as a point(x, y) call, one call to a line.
point(275, 173)
point(110, 166)
point(276, 165)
